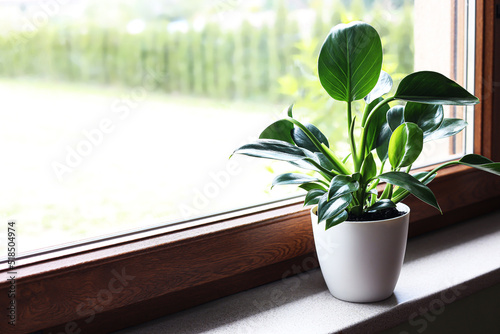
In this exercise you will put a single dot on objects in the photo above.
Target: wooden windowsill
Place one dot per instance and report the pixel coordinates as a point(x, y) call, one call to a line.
point(440, 268)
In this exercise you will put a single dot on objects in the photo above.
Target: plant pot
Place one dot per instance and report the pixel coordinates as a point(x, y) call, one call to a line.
point(361, 261)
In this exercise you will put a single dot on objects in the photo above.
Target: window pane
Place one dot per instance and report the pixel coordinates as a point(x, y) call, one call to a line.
point(446, 53)
point(119, 115)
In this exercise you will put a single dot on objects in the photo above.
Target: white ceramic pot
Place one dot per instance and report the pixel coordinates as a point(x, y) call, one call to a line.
point(361, 261)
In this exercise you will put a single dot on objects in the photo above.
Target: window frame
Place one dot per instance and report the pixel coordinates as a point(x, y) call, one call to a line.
point(178, 269)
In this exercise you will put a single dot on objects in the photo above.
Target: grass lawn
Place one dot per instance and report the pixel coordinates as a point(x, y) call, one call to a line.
point(82, 161)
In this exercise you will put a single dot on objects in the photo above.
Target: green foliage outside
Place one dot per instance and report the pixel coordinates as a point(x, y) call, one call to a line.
point(245, 62)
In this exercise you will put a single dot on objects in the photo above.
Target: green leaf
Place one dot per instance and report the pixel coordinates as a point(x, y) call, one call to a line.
point(350, 61)
point(346, 158)
point(449, 127)
point(369, 168)
point(378, 119)
point(292, 178)
point(419, 176)
point(316, 162)
point(383, 142)
point(312, 185)
point(323, 161)
point(341, 185)
point(279, 130)
point(383, 86)
point(414, 186)
point(272, 149)
point(313, 196)
point(331, 222)
point(381, 205)
point(300, 138)
point(434, 88)
point(475, 159)
point(480, 162)
point(329, 209)
point(356, 176)
point(312, 164)
point(428, 117)
point(395, 117)
point(405, 145)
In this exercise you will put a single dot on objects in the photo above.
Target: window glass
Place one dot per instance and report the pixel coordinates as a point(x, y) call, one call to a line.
point(119, 115)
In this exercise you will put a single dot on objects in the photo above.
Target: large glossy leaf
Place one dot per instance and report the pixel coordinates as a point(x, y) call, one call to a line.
point(480, 162)
point(414, 186)
point(304, 164)
point(449, 127)
point(310, 164)
point(341, 185)
point(381, 205)
point(329, 209)
point(428, 117)
point(313, 196)
point(292, 178)
point(419, 176)
point(350, 61)
point(324, 161)
point(383, 86)
point(300, 138)
point(435, 88)
point(383, 142)
point(316, 162)
point(279, 130)
point(272, 149)
point(405, 145)
point(395, 117)
point(339, 218)
point(368, 168)
point(312, 185)
point(374, 128)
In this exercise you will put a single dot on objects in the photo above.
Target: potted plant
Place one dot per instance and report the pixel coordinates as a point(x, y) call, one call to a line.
point(360, 233)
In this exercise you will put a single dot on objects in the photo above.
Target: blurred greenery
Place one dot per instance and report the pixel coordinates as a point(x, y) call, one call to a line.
point(193, 51)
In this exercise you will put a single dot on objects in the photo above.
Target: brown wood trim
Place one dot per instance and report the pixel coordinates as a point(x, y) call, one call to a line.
point(484, 83)
point(138, 280)
point(122, 276)
point(206, 225)
point(462, 194)
point(495, 112)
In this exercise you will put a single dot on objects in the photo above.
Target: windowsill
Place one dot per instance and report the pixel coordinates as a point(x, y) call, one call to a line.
point(439, 268)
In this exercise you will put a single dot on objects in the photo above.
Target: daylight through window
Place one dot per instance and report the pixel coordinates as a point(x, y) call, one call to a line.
point(119, 115)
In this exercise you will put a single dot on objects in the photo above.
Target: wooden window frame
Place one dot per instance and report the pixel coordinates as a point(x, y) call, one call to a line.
point(138, 279)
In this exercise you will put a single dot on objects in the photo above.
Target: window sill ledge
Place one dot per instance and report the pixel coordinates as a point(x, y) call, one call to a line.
point(439, 268)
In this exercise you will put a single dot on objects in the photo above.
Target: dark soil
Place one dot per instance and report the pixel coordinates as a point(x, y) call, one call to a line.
point(377, 215)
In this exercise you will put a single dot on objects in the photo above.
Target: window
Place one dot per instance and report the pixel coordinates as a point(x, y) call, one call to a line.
point(446, 52)
point(134, 107)
point(181, 269)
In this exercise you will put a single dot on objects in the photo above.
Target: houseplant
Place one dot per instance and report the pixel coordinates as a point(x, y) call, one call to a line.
point(360, 234)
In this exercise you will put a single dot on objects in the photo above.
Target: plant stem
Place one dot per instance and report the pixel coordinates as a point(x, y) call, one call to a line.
point(373, 185)
point(357, 163)
point(435, 170)
point(322, 147)
point(368, 119)
point(387, 193)
point(327, 174)
point(329, 154)
point(349, 115)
